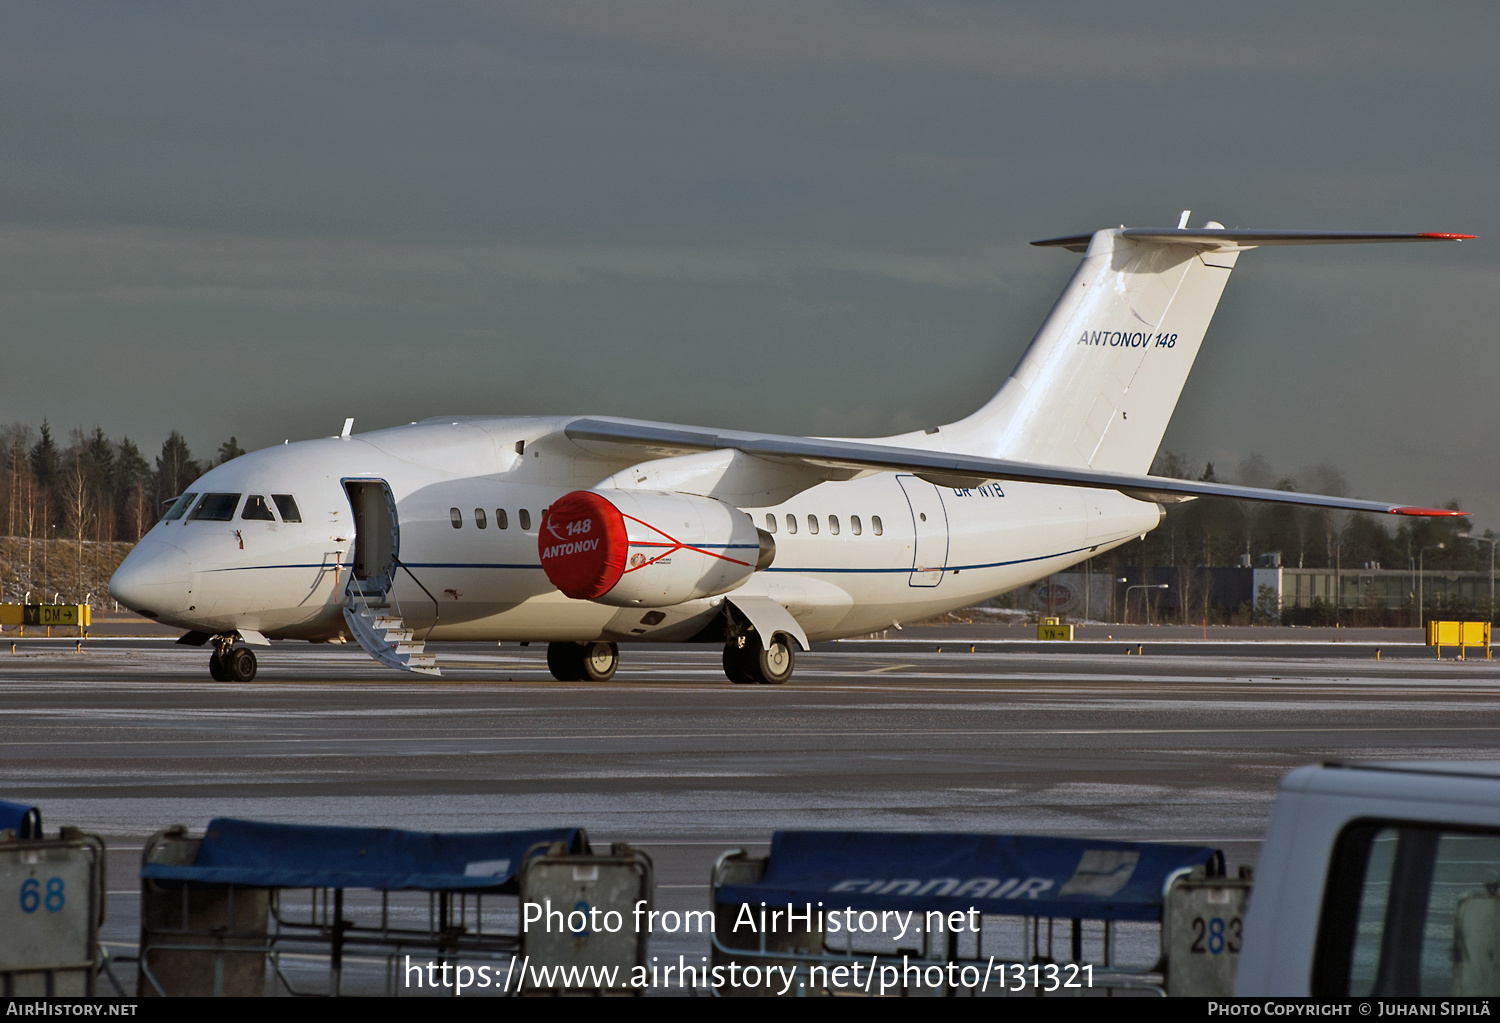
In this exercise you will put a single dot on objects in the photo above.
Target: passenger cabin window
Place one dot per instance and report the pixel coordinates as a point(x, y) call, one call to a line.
point(502, 521)
point(812, 523)
point(1410, 911)
point(854, 526)
point(791, 522)
point(456, 517)
point(525, 518)
point(770, 522)
point(216, 507)
point(479, 520)
point(287, 507)
point(179, 507)
point(256, 508)
point(833, 524)
point(875, 525)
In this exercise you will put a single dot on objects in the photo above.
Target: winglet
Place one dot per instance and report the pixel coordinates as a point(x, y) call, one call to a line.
point(1072, 242)
point(1447, 513)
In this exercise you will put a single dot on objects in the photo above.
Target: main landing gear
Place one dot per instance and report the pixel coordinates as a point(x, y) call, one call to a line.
point(582, 662)
point(747, 662)
point(229, 663)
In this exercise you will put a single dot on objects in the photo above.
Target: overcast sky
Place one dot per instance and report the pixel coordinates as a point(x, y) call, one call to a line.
point(257, 219)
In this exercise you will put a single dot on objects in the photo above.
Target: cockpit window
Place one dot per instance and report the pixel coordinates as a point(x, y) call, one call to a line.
point(216, 507)
point(287, 507)
point(179, 507)
point(256, 508)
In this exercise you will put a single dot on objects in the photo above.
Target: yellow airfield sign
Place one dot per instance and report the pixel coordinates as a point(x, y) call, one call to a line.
point(1459, 634)
point(45, 614)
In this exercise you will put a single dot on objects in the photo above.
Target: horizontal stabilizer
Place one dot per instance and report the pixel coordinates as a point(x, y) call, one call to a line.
point(661, 440)
point(1234, 238)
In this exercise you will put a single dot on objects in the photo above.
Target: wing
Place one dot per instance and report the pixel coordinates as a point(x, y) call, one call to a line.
point(614, 438)
point(1235, 238)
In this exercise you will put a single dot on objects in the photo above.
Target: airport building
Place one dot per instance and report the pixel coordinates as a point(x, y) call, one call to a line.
point(1264, 593)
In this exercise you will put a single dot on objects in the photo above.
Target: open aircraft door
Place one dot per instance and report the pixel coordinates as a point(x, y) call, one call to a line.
point(375, 619)
point(377, 537)
point(930, 520)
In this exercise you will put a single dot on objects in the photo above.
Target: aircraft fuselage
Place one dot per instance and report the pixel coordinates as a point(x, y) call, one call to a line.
point(468, 498)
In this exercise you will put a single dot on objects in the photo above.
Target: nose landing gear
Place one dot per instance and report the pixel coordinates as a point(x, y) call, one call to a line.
point(230, 663)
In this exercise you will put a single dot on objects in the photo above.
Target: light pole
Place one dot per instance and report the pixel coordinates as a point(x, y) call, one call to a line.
point(1433, 547)
point(1112, 591)
point(1142, 586)
point(1338, 583)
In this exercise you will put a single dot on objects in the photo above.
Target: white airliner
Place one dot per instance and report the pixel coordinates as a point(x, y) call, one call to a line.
point(584, 532)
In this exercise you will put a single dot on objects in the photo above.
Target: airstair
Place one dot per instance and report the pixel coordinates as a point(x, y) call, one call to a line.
point(384, 636)
point(370, 608)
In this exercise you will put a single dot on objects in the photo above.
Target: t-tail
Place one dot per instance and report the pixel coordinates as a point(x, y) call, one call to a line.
point(1097, 386)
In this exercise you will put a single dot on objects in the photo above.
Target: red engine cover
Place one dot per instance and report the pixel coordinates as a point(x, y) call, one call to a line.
point(583, 545)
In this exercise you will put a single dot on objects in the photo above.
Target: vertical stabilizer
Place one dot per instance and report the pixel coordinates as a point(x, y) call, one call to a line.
point(1099, 381)
point(1098, 384)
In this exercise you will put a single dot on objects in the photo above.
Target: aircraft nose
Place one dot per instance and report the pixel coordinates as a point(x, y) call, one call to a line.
point(153, 578)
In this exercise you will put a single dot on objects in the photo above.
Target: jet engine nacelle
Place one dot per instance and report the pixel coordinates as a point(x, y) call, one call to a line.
point(630, 548)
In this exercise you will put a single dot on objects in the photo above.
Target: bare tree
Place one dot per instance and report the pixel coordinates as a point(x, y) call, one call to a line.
point(1254, 471)
point(1329, 479)
point(17, 439)
point(77, 512)
point(46, 535)
point(1186, 591)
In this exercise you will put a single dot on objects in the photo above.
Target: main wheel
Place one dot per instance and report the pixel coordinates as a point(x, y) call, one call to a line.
point(755, 664)
point(774, 664)
point(216, 668)
point(565, 661)
point(239, 664)
point(597, 661)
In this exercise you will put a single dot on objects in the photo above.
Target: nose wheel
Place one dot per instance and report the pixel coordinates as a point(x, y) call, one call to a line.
point(582, 662)
point(232, 664)
point(747, 662)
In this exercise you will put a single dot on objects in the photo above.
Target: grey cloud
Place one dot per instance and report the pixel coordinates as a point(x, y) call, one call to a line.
point(224, 267)
point(256, 219)
point(1104, 42)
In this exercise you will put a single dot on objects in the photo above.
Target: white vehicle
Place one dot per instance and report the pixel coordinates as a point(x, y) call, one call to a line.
point(1378, 879)
point(583, 532)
